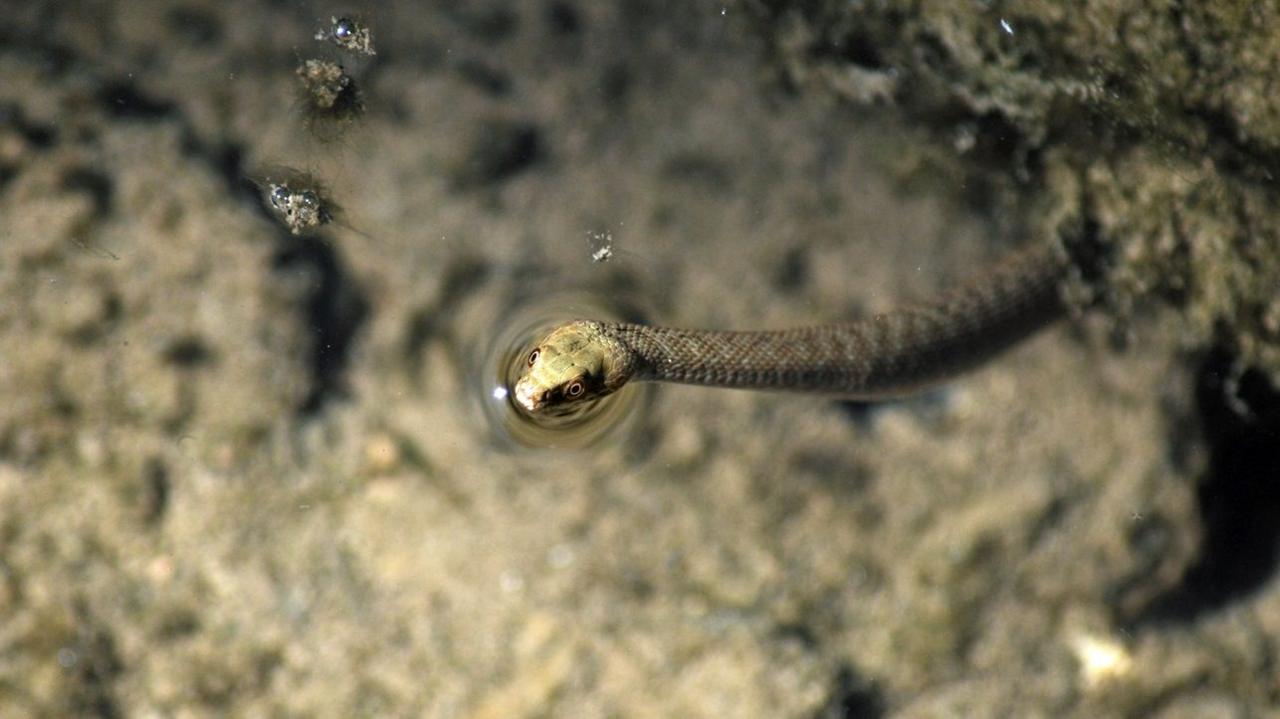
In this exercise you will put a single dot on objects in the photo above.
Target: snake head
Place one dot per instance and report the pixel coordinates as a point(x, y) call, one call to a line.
point(568, 367)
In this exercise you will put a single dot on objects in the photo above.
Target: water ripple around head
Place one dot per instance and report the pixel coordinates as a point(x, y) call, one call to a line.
point(606, 420)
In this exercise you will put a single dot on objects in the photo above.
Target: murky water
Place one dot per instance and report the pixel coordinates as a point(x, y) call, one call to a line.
point(259, 458)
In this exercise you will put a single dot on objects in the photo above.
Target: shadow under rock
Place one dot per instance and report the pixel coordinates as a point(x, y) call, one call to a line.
point(853, 697)
point(1238, 498)
point(336, 310)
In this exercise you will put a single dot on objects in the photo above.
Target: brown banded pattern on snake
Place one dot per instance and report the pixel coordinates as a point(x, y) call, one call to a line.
point(883, 356)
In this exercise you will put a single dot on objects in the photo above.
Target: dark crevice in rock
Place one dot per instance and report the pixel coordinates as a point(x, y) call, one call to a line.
point(98, 186)
point(852, 697)
point(189, 353)
point(1239, 496)
point(156, 491)
point(41, 136)
point(53, 58)
point(96, 666)
point(563, 18)
point(1233, 150)
point(793, 272)
point(123, 99)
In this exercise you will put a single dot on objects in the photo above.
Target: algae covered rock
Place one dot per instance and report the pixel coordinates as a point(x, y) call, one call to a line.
point(1146, 129)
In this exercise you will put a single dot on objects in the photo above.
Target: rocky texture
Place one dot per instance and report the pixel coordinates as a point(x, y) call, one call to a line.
point(243, 473)
point(1150, 129)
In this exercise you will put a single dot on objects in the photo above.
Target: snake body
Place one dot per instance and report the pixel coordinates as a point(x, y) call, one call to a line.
point(882, 356)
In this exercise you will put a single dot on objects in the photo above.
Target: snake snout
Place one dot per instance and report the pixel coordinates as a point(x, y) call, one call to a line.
point(528, 397)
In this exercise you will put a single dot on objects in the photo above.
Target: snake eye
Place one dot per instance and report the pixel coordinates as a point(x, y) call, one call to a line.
point(533, 357)
point(343, 28)
point(574, 390)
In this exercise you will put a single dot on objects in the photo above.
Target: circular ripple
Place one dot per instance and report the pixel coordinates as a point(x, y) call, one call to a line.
point(591, 423)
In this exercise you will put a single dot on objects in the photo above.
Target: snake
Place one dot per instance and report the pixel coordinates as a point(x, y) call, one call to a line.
point(883, 356)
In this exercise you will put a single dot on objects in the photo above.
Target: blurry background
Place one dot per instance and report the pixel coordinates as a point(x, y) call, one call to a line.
point(246, 473)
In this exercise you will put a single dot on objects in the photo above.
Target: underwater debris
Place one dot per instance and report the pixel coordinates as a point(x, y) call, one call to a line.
point(299, 207)
point(347, 34)
point(601, 246)
point(329, 89)
point(327, 83)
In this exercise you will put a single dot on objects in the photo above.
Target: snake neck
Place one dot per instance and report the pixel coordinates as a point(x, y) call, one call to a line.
point(620, 362)
point(882, 356)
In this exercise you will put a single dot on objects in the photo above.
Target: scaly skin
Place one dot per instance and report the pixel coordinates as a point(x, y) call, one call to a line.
point(883, 356)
